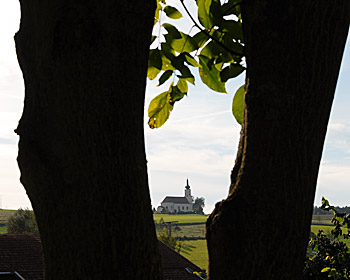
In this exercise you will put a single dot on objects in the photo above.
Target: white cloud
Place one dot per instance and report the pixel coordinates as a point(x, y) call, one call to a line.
point(333, 183)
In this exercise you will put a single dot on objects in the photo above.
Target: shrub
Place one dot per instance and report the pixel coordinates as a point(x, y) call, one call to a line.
point(329, 257)
point(22, 222)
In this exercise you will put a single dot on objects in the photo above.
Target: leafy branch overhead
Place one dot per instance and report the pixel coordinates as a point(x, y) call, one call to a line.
point(214, 45)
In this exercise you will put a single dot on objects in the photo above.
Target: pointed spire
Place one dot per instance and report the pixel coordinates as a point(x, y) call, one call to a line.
point(187, 184)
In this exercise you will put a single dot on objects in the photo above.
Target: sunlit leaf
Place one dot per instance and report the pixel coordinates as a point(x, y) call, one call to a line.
point(190, 60)
point(182, 85)
point(184, 44)
point(159, 109)
point(165, 76)
point(210, 76)
point(238, 104)
point(203, 13)
point(172, 12)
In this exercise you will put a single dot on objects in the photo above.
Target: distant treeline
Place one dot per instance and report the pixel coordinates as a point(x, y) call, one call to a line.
point(319, 211)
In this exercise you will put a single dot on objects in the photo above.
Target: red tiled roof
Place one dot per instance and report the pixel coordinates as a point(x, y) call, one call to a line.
point(22, 253)
point(174, 265)
point(176, 199)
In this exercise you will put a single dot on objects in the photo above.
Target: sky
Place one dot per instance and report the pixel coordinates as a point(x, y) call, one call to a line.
point(198, 142)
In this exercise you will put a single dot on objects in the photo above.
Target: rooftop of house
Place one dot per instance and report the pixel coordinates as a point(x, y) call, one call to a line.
point(175, 266)
point(176, 199)
point(23, 254)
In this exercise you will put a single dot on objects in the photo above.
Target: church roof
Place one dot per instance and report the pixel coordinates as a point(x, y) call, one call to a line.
point(176, 199)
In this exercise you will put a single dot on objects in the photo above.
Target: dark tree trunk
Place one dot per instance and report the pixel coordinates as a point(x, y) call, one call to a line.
point(293, 51)
point(81, 151)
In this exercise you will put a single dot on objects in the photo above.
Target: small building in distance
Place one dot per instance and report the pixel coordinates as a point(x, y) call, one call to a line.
point(177, 204)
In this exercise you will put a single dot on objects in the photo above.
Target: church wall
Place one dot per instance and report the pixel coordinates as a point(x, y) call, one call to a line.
point(178, 207)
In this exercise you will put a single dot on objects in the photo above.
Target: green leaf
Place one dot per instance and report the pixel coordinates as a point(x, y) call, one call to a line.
point(232, 7)
point(167, 57)
point(178, 62)
point(203, 13)
point(159, 109)
point(210, 76)
point(184, 44)
point(190, 60)
point(172, 30)
point(154, 63)
point(188, 79)
point(176, 94)
point(231, 27)
point(231, 71)
point(238, 104)
point(326, 269)
point(165, 76)
point(172, 12)
point(186, 73)
point(215, 10)
point(182, 85)
point(200, 39)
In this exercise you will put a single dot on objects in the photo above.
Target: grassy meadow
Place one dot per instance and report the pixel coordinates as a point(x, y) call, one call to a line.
point(196, 251)
point(188, 218)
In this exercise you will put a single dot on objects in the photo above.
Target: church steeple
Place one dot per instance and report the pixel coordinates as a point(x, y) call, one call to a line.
point(188, 192)
point(187, 187)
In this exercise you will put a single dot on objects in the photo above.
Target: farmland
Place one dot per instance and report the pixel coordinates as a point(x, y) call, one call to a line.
point(191, 226)
point(196, 250)
point(188, 218)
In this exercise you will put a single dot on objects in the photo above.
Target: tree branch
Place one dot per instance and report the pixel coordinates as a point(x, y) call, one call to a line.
point(206, 33)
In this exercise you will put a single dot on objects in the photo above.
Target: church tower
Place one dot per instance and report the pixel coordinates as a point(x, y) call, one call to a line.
point(188, 192)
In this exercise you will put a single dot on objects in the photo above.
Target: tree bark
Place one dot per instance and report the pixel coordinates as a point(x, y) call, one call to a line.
point(81, 150)
point(293, 54)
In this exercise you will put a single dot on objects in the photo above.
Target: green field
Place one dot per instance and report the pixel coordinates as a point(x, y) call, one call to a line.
point(322, 219)
point(189, 218)
point(185, 231)
point(196, 251)
point(327, 230)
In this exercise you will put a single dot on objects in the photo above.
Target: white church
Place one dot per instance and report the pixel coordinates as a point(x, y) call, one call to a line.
point(177, 204)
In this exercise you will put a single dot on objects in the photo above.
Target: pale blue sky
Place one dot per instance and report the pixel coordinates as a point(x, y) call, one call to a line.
point(199, 141)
